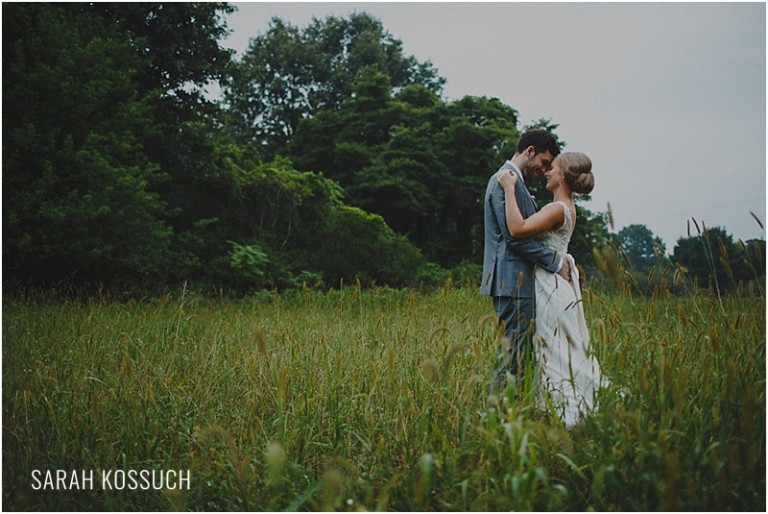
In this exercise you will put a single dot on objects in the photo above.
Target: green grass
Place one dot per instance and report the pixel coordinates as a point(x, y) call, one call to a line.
point(378, 400)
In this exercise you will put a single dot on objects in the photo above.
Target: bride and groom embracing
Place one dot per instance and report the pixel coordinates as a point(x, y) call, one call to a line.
point(533, 281)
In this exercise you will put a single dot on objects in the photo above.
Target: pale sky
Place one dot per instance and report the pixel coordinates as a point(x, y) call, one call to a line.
point(668, 99)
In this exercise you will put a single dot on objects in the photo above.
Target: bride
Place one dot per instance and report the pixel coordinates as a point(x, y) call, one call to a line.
point(570, 372)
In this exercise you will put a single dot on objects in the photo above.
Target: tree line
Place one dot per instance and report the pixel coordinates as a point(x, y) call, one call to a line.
point(331, 155)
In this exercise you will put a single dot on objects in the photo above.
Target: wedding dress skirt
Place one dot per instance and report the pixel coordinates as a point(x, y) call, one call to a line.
point(569, 372)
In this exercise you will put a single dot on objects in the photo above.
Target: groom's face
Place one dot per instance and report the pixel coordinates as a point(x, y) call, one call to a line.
point(537, 163)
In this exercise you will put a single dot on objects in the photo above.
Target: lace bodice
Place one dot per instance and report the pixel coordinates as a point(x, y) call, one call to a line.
point(558, 238)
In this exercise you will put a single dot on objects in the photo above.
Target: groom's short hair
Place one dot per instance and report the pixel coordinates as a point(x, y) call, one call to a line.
point(540, 139)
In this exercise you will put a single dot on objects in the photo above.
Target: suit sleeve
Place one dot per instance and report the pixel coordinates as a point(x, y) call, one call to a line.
point(526, 247)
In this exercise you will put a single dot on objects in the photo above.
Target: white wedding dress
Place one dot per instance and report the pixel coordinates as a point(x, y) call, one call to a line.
point(570, 374)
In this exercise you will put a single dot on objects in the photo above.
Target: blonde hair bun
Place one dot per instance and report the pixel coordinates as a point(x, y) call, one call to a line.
point(577, 172)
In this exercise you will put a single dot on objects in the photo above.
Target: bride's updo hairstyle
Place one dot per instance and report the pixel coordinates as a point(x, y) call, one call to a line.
point(577, 172)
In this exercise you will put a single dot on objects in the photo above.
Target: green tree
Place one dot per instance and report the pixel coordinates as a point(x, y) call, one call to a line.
point(714, 260)
point(418, 161)
point(271, 207)
point(77, 185)
point(108, 97)
point(288, 74)
point(178, 45)
point(284, 225)
point(748, 260)
point(472, 137)
point(354, 244)
point(640, 246)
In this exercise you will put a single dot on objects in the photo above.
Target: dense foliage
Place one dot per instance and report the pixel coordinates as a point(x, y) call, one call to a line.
point(289, 74)
point(331, 156)
point(419, 162)
point(715, 261)
point(80, 191)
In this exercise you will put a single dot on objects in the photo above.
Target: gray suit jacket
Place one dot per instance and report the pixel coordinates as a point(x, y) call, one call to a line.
point(508, 262)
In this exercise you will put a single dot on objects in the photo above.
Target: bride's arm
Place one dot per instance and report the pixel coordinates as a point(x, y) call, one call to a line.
point(517, 225)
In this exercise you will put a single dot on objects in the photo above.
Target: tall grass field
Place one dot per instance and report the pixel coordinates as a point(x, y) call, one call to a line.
point(373, 399)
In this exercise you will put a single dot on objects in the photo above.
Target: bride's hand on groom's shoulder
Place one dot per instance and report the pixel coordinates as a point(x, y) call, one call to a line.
point(507, 179)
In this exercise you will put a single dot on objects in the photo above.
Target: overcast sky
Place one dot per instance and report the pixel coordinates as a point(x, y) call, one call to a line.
point(668, 99)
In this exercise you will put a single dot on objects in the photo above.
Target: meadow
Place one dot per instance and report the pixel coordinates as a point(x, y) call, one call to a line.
point(377, 399)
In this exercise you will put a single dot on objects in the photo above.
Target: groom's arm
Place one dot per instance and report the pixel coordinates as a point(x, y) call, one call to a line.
point(538, 253)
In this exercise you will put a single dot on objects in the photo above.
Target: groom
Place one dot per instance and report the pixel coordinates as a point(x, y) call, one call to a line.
point(508, 262)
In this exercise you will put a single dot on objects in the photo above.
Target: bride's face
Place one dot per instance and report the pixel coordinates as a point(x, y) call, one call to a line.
point(554, 176)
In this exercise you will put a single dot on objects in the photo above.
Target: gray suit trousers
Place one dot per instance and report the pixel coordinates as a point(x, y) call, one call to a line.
point(516, 315)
